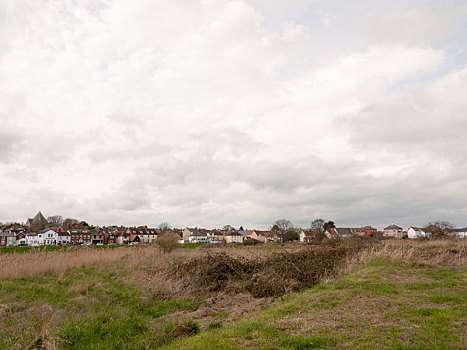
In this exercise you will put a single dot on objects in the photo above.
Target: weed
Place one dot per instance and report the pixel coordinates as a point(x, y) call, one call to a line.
point(215, 325)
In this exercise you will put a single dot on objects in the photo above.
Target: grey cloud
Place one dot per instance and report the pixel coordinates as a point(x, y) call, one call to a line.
point(23, 174)
point(220, 112)
point(104, 154)
point(11, 139)
point(428, 120)
point(123, 200)
point(8, 142)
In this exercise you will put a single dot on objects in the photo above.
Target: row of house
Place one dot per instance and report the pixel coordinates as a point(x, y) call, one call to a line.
point(197, 235)
point(77, 236)
point(391, 231)
point(414, 232)
point(17, 235)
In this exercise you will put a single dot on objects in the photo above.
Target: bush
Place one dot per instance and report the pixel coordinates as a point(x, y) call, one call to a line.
point(320, 236)
point(275, 275)
point(290, 236)
point(167, 242)
point(251, 241)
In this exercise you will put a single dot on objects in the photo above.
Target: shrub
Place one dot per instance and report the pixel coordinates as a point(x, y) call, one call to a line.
point(275, 275)
point(251, 241)
point(290, 236)
point(167, 242)
point(319, 237)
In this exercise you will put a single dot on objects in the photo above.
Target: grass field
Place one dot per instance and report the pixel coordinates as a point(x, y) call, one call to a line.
point(27, 249)
point(411, 297)
point(381, 305)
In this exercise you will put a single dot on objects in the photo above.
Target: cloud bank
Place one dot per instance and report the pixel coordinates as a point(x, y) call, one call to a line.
point(233, 112)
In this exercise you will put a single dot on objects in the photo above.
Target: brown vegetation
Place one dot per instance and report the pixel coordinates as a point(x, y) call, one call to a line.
point(430, 252)
point(262, 276)
point(167, 242)
point(57, 262)
point(230, 281)
point(262, 270)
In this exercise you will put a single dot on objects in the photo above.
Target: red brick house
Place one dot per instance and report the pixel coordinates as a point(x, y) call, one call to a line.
point(80, 236)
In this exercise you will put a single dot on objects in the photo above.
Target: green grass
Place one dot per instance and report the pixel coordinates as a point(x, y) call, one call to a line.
point(98, 311)
point(190, 245)
point(215, 325)
point(383, 305)
point(10, 250)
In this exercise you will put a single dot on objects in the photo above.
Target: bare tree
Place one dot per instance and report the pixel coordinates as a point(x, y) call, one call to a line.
point(281, 226)
point(68, 223)
point(56, 220)
point(439, 228)
point(164, 227)
point(317, 225)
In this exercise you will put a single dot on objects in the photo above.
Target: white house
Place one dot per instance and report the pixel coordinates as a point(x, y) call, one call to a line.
point(122, 237)
point(149, 235)
point(32, 239)
point(194, 235)
point(21, 239)
point(146, 235)
point(306, 235)
point(198, 239)
point(459, 232)
point(64, 238)
point(234, 237)
point(415, 232)
point(48, 237)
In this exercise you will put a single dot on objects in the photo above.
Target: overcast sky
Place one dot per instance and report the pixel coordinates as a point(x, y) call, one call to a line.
point(220, 112)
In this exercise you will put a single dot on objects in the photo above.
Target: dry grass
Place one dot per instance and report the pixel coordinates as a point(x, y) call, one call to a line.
point(34, 263)
point(230, 280)
point(430, 253)
point(259, 272)
point(58, 262)
point(151, 266)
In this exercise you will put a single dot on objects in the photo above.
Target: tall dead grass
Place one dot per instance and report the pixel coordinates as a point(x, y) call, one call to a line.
point(429, 253)
point(151, 265)
point(58, 262)
point(140, 259)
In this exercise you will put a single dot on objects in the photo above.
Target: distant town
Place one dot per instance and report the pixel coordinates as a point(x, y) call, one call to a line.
point(54, 230)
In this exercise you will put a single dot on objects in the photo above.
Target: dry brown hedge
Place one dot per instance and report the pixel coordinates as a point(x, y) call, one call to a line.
point(274, 275)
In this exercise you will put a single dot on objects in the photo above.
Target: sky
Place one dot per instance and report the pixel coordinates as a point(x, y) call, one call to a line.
point(215, 112)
